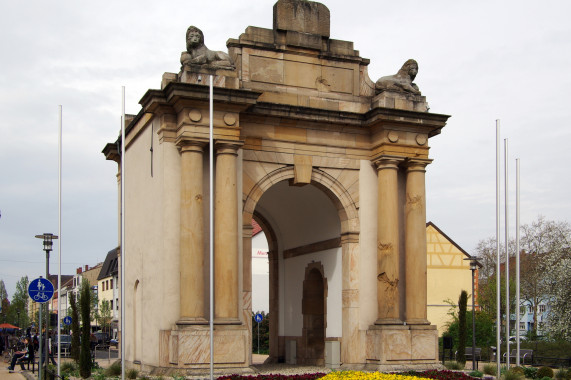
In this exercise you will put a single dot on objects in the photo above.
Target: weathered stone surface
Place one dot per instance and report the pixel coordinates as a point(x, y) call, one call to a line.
point(301, 16)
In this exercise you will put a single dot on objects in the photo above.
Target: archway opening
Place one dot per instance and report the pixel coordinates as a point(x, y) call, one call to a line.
point(302, 226)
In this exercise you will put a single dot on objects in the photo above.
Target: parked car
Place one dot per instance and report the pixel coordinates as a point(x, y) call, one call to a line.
point(65, 345)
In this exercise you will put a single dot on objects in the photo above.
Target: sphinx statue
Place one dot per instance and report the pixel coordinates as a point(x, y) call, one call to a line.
point(198, 54)
point(401, 81)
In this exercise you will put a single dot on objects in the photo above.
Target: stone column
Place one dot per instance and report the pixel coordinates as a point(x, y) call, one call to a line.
point(388, 254)
point(191, 234)
point(274, 305)
point(226, 234)
point(415, 243)
point(351, 344)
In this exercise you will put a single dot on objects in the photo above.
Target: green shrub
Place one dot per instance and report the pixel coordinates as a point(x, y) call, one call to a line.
point(546, 378)
point(476, 374)
point(454, 365)
point(132, 373)
point(544, 372)
point(519, 370)
point(68, 368)
point(513, 374)
point(561, 374)
point(490, 369)
point(530, 372)
point(114, 369)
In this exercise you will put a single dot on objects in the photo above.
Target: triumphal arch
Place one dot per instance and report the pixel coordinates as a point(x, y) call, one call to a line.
point(330, 163)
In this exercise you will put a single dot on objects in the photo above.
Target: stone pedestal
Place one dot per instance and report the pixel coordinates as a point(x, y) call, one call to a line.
point(199, 75)
point(189, 347)
point(401, 101)
point(392, 347)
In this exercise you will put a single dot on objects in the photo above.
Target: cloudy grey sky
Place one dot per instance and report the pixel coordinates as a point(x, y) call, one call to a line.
point(479, 61)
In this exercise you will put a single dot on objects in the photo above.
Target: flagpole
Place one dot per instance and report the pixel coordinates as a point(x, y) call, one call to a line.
point(122, 232)
point(211, 230)
point(498, 283)
point(60, 241)
point(506, 186)
point(517, 295)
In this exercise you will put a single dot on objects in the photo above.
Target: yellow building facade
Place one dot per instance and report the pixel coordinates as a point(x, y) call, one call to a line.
point(447, 275)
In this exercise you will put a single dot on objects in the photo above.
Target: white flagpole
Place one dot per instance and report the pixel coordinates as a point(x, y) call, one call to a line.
point(211, 189)
point(123, 232)
point(60, 242)
point(517, 295)
point(507, 255)
point(498, 282)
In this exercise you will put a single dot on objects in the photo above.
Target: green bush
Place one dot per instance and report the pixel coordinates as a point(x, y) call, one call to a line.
point(546, 378)
point(544, 372)
point(114, 369)
point(454, 365)
point(476, 374)
point(519, 370)
point(530, 372)
point(513, 374)
point(132, 373)
point(490, 369)
point(561, 374)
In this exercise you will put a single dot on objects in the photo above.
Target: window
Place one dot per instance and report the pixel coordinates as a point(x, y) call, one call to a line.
point(111, 283)
point(542, 308)
point(522, 325)
point(522, 310)
point(117, 303)
point(111, 304)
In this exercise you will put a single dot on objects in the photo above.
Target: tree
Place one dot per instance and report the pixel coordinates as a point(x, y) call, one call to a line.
point(104, 314)
point(462, 307)
point(544, 245)
point(3, 292)
point(19, 305)
point(75, 333)
point(559, 317)
point(85, 308)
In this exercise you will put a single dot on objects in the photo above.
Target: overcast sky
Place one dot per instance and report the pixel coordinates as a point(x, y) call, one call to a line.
point(478, 61)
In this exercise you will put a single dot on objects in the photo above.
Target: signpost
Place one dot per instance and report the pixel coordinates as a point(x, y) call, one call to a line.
point(41, 290)
point(259, 318)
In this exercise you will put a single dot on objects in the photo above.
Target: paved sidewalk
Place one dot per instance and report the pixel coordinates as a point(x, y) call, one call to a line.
point(18, 374)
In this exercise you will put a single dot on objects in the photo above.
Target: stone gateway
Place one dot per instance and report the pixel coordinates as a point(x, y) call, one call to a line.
point(329, 163)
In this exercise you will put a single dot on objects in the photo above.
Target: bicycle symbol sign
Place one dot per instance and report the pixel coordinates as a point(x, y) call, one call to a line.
point(40, 290)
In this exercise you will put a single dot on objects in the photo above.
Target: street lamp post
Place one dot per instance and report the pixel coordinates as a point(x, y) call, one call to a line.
point(474, 264)
point(48, 243)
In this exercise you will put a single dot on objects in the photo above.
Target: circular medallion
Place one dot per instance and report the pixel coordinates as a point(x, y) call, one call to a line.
point(393, 137)
point(230, 119)
point(195, 115)
point(421, 139)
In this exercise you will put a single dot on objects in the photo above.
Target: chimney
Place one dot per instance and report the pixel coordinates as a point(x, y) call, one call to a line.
point(78, 271)
point(86, 268)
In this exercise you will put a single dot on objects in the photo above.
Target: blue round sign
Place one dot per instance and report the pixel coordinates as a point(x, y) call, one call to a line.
point(258, 318)
point(67, 321)
point(40, 290)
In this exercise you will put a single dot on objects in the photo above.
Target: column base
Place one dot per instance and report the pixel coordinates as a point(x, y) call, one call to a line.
point(227, 321)
point(191, 321)
point(417, 321)
point(389, 321)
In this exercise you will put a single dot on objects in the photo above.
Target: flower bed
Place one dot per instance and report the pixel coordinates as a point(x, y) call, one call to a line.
point(359, 375)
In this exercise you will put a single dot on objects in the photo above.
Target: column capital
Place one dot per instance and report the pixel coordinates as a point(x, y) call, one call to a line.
point(416, 164)
point(387, 162)
point(191, 145)
point(228, 146)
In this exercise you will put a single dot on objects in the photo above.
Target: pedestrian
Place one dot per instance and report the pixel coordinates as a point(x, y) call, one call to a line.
point(18, 355)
